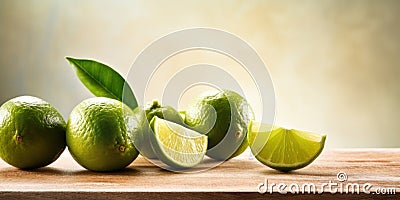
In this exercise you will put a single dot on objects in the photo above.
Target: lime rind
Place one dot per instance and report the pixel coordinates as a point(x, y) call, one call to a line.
point(177, 146)
point(283, 149)
point(279, 164)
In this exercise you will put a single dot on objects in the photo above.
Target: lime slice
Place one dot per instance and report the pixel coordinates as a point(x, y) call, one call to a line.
point(284, 149)
point(177, 146)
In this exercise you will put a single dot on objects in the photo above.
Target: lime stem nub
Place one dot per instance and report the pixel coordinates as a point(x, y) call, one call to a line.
point(155, 104)
point(122, 148)
point(237, 134)
point(19, 138)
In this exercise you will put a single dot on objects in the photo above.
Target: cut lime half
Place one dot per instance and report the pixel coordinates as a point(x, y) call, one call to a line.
point(282, 149)
point(177, 146)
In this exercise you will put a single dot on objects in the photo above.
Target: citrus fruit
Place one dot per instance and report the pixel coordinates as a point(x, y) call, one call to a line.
point(32, 133)
point(144, 115)
point(284, 149)
point(223, 116)
point(164, 112)
point(176, 145)
point(99, 134)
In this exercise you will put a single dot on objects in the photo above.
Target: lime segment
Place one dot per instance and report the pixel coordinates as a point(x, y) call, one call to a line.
point(284, 149)
point(177, 146)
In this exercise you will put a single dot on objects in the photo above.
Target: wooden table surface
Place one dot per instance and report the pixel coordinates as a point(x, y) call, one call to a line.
point(236, 179)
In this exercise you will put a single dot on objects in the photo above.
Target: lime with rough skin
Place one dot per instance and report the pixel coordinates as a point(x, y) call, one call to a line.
point(99, 134)
point(284, 149)
point(32, 133)
point(223, 116)
point(177, 146)
point(144, 115)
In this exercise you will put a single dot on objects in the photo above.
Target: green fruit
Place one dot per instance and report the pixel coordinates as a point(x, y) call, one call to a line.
point(284, 149)
point(143, 132)
point(163, 112)
point(223, 116)
point(32, 133)
point(176, 145)
point(99, 134)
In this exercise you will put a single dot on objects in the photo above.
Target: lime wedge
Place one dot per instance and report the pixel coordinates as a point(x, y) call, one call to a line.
point(284, 149)
point(177, 146)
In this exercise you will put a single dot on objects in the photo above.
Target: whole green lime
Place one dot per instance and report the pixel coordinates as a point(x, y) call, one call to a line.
point(144, 115)
point(99, 134)
point(32, 133)
point(223, 116)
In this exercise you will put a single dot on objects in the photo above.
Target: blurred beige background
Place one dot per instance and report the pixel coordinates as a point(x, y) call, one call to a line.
point(335, 64)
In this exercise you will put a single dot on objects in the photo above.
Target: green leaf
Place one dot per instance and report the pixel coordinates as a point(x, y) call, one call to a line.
point(103, 81)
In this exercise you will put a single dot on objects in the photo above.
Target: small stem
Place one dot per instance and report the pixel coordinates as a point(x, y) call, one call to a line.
point(122, 148)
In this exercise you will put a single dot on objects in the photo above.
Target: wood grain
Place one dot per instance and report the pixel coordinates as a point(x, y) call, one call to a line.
point(235, 179)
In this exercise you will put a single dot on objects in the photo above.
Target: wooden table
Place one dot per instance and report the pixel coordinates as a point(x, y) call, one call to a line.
point(236, 179)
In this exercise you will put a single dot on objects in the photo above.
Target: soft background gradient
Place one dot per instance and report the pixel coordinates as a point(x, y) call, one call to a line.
point(335, 63)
